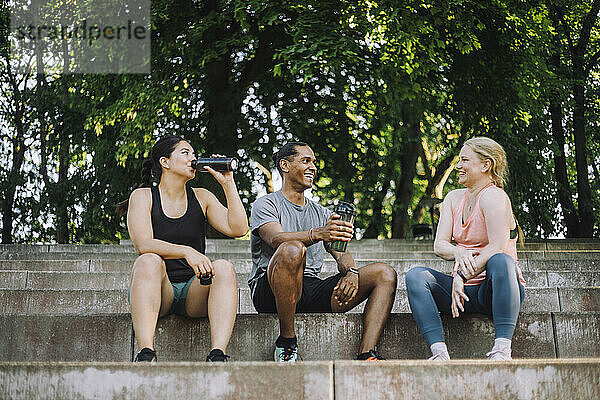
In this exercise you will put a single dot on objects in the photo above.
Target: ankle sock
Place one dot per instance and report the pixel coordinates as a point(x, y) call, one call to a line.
point(501, 344)
point(440, 351)
point(286, 342)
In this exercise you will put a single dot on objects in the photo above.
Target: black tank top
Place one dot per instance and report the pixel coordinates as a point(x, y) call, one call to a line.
point(189, 230)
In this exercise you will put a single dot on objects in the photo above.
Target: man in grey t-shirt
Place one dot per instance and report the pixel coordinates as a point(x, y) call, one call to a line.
point(289, 236)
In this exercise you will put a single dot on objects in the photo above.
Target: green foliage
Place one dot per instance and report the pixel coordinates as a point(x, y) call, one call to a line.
point(350, 78)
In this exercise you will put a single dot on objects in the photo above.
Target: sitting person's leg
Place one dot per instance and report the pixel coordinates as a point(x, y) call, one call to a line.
point(501, 294)
point(284, 274)
point(377, 283)
point(218, 301)
point(150, 296)
point(284, 290)
point(429, 293)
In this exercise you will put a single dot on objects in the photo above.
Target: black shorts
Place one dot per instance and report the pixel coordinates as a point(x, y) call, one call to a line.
point(316, 295)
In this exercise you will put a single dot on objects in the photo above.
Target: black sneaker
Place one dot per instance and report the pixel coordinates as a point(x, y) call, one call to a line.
point(370, 355)
point(217, 355)
point(146, 355)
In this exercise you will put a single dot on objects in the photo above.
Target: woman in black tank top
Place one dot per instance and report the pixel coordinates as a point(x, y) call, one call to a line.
point(167, 224)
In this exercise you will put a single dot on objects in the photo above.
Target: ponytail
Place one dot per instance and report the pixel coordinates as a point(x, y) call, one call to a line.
point(147, 175)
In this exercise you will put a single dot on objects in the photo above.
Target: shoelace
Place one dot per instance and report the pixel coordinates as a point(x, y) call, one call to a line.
point(373, 356)
point(288, 353)
point(438, 357)
point(501, 352)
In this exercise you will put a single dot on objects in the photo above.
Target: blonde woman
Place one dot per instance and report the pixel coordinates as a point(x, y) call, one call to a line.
point(486, 277)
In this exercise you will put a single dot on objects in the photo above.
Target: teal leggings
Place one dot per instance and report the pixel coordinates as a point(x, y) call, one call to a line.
point(499, 295)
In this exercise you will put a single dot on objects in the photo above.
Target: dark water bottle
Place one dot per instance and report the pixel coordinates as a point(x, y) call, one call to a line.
point(221, 164)
point(347, 212)
point(206, 279)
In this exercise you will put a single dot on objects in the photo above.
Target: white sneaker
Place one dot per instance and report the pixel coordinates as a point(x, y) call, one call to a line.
point(503, 354)
point(440, 357)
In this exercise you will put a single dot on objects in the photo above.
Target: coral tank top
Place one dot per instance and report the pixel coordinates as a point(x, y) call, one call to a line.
point(472, 235)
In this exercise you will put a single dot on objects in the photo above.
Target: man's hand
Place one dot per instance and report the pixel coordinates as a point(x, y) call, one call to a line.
point(458, 296)
point(199, 263)
point(335, 229)
point(346, 289)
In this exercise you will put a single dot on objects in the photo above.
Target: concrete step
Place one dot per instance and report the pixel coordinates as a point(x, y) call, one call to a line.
point(183, 381)
point(95, 301)
point(31, 279)
point(245, 265)
point(327, 380)
point(531, 379)
point(321, 337)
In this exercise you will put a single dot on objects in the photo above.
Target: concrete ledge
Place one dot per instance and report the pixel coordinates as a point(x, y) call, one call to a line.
point(166, 381)
point(321, 337)
point(533, 379)
point(577, 334)
point(21, 279)
point(103, 301)
point(46, 265)
point(13, 279)
point(536, 300)
point(243, 263)
point(523, 379)
point(65, 338)
point(63, 302)
point(337, 336)
point(573, 279)
point(579, 299)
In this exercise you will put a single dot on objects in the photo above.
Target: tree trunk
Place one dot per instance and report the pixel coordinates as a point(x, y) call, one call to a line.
point(62, 214)
point(584, 192)
point(442, 171)
point(560, 164)
point(13, 182)
point(377, 222)
point(405, 186)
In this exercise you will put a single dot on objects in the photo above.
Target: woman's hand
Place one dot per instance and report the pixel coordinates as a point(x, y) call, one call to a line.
point(225, 177)
point(199, 263)
point(458, 296)
point(465, 259)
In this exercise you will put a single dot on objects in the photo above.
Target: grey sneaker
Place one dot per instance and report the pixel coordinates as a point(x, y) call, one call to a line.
point(286, 354)
point(503, 354)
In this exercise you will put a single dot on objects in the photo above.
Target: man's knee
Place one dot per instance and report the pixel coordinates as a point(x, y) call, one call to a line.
point(291, 255)
point(386, 274)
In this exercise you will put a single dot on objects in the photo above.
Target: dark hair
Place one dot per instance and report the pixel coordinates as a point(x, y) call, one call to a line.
point(151, 170)
point(285, 152)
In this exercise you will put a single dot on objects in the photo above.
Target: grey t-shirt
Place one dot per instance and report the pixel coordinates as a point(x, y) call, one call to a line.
point(274, 207)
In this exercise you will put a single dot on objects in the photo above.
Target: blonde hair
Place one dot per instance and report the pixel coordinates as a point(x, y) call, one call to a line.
point(488, 149)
